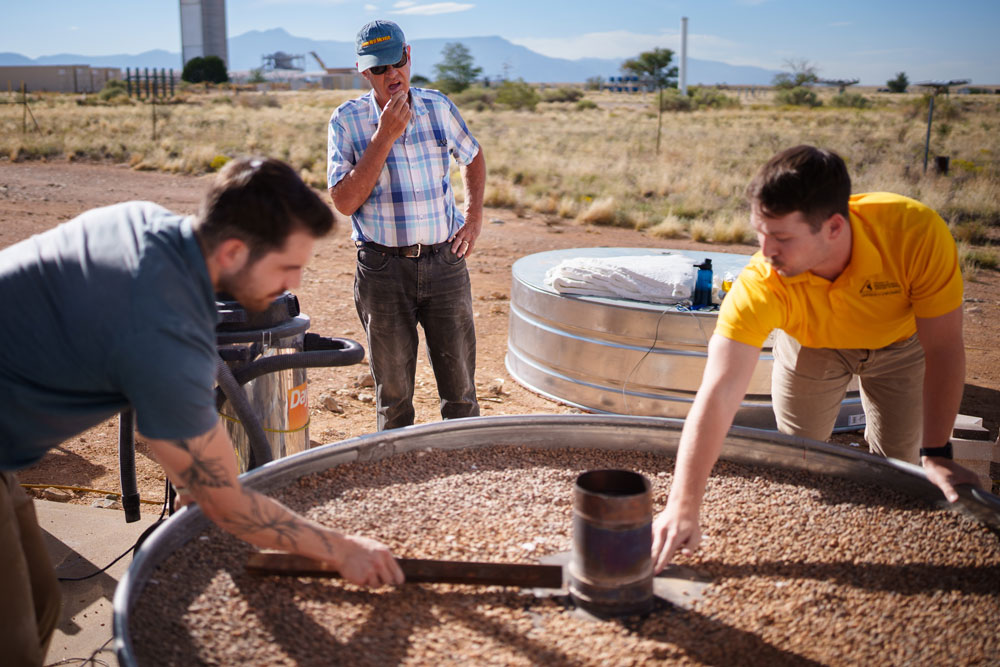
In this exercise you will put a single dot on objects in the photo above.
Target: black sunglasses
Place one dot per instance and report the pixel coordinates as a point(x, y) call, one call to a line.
point(381, 69)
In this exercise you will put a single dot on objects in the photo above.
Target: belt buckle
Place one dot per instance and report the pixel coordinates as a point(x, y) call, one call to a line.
point(409, 253)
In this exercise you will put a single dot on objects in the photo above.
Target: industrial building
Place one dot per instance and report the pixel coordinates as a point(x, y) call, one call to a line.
point(203, 30)
point(57, 78)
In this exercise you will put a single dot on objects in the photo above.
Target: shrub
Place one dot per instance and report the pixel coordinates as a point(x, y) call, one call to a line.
point(944, 108)
point(899, 84)
point(671, 227)
point(850, 100)
point(712, 98)
point(112, 89)
point(218, 162)
point(562, 94)
point(595, 82)
point(798, 96)
point(606, 211)
point(585, 105)
point(971, 231)
point(971, 259)
point(672, 100)
point(517, 95)
point(478, 97)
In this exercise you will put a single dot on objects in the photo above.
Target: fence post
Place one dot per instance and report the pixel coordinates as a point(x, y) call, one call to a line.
point(930, 119)
point(128, 81)
point(171, 82)
point(147, 83)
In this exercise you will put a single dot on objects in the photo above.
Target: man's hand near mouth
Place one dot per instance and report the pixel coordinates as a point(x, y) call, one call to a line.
point(395, 116)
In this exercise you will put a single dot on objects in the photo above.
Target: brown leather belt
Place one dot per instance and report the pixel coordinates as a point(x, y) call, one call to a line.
point(416, 250)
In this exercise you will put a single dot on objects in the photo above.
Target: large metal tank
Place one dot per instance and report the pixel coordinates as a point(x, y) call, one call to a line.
point(607, 432)
point(627, 357)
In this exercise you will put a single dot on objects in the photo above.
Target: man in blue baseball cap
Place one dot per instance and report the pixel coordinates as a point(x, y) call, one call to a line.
point(388, 168)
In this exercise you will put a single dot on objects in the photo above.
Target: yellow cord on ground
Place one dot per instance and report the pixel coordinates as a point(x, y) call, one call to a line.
point(86, 490)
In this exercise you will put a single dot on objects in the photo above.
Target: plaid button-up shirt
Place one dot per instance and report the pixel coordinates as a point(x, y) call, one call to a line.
point(413, 201)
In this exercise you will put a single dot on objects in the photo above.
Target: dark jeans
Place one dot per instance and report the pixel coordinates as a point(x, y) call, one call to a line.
point(393, 295)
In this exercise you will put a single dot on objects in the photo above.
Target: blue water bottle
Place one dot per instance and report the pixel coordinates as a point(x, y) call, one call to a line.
point(703, 286)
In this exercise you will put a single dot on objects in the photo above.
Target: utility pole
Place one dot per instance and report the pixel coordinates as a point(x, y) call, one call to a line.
point(684, 55)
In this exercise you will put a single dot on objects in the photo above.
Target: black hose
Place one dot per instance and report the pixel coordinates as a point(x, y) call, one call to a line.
point(126, 465)
point(260, 450)
point(320, 353)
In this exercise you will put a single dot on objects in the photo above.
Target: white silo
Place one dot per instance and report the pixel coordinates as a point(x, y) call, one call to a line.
point(203, 29)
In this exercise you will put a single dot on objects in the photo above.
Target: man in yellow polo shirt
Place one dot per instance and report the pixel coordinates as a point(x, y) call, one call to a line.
point(865, 285)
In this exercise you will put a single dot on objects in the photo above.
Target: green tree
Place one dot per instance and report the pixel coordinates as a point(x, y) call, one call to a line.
point(653, 67)
point(802, 74)
point(899, 84)
point(209, 68)
point(457, 70)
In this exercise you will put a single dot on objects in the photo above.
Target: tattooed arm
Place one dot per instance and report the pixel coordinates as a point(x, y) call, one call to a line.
point(205, 468)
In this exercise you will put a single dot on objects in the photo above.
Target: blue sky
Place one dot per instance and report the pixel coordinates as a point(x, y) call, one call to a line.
point(870, 40)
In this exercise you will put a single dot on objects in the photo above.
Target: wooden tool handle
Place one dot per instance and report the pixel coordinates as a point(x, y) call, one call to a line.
point(418, 570)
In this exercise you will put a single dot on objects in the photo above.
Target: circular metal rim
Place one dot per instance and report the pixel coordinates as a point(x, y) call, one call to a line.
point(743, 444)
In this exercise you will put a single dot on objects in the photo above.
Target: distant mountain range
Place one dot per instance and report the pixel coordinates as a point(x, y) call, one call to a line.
point(497, 56)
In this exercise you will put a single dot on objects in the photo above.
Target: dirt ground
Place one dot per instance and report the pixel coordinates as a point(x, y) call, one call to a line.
point(37, 196)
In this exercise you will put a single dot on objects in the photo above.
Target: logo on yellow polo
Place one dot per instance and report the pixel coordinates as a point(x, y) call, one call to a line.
point(880, 288)
point(377, 40)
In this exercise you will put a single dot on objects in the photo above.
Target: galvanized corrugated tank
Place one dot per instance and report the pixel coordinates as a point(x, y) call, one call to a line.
point(626, 357)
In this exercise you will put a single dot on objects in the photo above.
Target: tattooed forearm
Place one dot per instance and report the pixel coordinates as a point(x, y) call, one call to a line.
point(204, 472)
point(265, 515)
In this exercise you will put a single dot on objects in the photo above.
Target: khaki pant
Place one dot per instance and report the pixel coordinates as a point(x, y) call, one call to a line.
point(29, 591)
point(809, 384)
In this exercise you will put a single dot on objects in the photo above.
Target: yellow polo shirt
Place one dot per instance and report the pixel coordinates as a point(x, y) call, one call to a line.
point(904, 264)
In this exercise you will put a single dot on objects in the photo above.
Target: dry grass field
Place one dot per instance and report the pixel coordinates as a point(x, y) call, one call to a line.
point(597, 165)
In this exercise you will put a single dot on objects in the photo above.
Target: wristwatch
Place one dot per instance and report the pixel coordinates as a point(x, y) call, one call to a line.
point(942, 452)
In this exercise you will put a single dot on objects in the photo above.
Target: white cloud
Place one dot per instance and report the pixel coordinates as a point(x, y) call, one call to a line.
point(74, 27)
point(625, 44)
point(432, 8)
point(404, 3)
point(371, 8)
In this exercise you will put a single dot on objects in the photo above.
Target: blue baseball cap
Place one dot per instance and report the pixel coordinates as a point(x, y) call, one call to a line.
point(379, 43)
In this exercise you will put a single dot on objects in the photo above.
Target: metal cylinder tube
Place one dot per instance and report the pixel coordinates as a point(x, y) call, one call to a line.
point(611, 568)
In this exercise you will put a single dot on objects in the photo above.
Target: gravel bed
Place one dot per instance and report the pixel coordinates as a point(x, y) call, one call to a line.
point(805, 569)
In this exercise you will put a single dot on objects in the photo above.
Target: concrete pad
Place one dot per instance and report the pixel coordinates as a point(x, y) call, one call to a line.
point(82, 540)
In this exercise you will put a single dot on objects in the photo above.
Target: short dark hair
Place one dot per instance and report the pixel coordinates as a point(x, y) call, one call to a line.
point(260, 201)
point(807, 179)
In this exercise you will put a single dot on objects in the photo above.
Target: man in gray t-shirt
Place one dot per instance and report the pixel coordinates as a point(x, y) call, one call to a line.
point(116, 308)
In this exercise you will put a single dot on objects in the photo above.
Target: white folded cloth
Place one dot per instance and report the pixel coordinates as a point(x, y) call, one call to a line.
point(654, 278)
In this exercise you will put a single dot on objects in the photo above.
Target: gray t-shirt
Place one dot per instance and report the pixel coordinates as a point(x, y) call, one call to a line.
point(112, 308)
